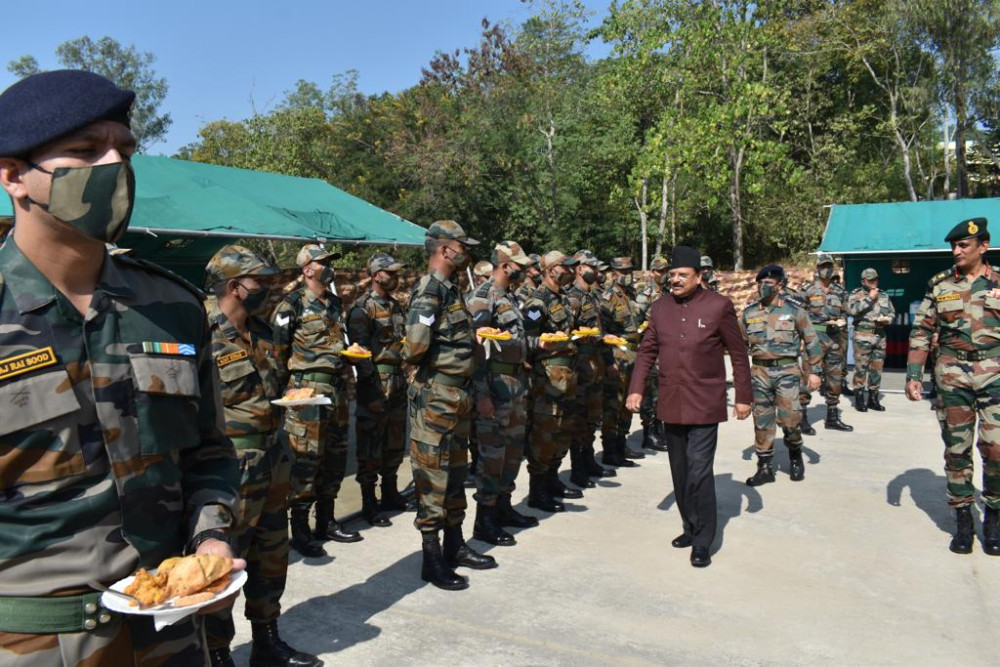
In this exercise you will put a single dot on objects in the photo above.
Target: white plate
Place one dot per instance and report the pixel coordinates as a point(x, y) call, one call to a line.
point(315, 400)
point(123, 606)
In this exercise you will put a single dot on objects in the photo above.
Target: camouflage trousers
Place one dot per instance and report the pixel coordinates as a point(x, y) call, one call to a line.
point(617, 419)
point(125, 641)
point(553, 390)
point(967, 390)
point(317, 436)
point(381, 437)
point(834, 367)
point(261, 538)
point(501, 439)
point(439, 452)
point(869, 358)
point(586, 409)
point(774, 403)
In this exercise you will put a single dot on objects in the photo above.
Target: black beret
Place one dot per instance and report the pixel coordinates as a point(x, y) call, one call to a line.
point(685, 257)
point(967, 229)
point(44, 107)
point(775, 271)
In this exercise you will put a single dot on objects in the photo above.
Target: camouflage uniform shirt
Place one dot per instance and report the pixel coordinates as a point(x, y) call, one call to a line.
point(308, 334)
point(111, 437)
point(866, 310)
point(494, 306)
point(966, 314)
point(778, 331)
point(439, 336)
point(378, 325)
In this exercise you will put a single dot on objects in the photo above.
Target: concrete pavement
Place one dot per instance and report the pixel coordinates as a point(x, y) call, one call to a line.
point(850, 566)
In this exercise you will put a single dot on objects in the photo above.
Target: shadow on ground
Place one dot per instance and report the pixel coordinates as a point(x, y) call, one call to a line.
point(927, 489)
point(729, 494)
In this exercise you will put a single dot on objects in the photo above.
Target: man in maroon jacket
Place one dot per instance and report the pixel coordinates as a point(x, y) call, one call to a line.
point(687, 333)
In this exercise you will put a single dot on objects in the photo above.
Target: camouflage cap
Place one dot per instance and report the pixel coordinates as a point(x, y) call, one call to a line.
point(383, 261)
point(233, 261)
point(313, 252)
point(621, 263)
point(602, 266)
point(869, 274)
point(511, 251)
point(535, 258)
point(659, 263)
point(556, 258)
point(587, 258)
point(967, 229)
point(482, 268)
point(449, 229)
point(706, 262)
point(823, 258)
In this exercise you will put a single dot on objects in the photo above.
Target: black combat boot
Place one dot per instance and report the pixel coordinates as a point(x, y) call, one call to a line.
point(302, 540)
point(270, 651)
point(595, 469)
point(805, 426)
point(620, 447)
point(434, 570)
point(392, 499)
point(991, 531)
point(765, 472)
point(370, 509)
point(961, 543)
point(328, 528)
point(459, 554)
point(220, 657)
point(488, 529)
point(510, 517)
point(578, 470)
point(833, 420)
point(559, 490)
point(539, 497)
point(797, 470)
point(873, 401)
point(860, 404)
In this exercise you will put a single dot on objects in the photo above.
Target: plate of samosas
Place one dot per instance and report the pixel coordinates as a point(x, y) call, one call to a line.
point(302, 396)
point(188, 583)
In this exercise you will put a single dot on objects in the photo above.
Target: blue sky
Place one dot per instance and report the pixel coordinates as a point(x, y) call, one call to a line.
point(223, 59)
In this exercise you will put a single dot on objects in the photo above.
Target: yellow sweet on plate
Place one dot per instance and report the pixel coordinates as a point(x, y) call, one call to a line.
point(355, 351)
point(586, 332)
point(491, 333)
point(557, 337)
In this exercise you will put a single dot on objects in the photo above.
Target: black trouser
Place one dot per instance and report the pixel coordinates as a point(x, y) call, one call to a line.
point(692, 456)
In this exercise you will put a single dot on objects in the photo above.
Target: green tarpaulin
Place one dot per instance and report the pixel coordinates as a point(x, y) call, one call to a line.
point(901, 227)
point(186, 211)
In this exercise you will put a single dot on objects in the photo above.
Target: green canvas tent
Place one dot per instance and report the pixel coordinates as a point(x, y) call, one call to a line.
point(186, 211)
point(904, 242)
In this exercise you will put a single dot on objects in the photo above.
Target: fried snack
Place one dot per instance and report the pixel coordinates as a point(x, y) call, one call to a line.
point(150, 589)
point(557, 337)
point(611, 339)
point(196, 573)
point(298, 394)
point(221, 584)
point(488, 331)
point(356, 349)
point(586, 332)
point(194, 598)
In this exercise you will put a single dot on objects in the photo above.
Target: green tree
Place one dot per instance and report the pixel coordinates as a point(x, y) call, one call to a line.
point(126, 66)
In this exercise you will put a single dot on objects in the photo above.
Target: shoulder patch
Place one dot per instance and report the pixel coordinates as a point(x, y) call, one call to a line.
point(938, 277)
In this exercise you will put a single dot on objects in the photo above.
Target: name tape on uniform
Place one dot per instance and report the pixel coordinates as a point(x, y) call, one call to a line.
point(949, 297)
point(27, 361)
point(232, 357)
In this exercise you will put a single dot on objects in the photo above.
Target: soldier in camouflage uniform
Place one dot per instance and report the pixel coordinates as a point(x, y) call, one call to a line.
point(244, 355)
point(653, 436)
point(962, 305)
point(308, 328)
point(501, 388)
point(114, 454)
point(584, 303)
point(440, 342)
point(481, 272)
point(826, 303)
point(619, 317)
point(377, 322)
point(553, 383)
point(872, 311)
point(708, 279)
point(776, 330)
point(531, 281)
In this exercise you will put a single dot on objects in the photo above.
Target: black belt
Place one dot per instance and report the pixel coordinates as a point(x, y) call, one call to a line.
point(448, 380)
point(771, 363)
point(970, 355)
point(318, 377)
point(388, 369)
point(504, 368)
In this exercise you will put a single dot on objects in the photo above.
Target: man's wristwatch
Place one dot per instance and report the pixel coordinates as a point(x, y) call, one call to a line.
point(212, 534)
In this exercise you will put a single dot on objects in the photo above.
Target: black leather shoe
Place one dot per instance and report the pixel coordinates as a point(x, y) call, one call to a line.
point(302, 540)
point(539, 497)
point(434, 570)
point(764, 474)
point(833, 421)
point(488, 530)
point(860, 404)
point(797, 470)
point(509, 517)
point(328, 528)
point(991, 532)
point(805, 426)
point(700, 557)
point(269, 649)
point(370, 508)
point(682, 541)
point(459, 554)
point(392, 499)
point(873, 401)
point(961, 543)
point(559, 490)
point(220, 657)
point(846, 390)
point(634, 453)
point(593, 468)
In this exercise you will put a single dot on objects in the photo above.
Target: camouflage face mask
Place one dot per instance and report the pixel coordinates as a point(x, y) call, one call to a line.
point(96, 200)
